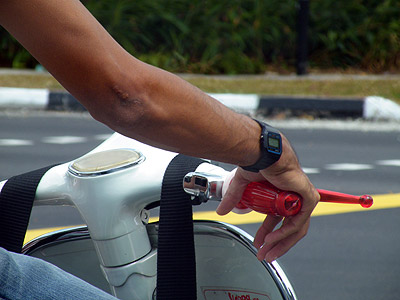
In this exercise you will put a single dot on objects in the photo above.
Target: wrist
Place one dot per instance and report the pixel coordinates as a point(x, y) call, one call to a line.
point(270, 148)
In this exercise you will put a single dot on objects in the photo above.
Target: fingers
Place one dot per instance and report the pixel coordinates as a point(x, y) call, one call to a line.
point(232, 196)
point(274, 244)
point(237, 184)
point(287, 175)
point(267, 227)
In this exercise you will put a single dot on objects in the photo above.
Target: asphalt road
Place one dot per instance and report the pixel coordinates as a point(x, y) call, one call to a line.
point(344, 256)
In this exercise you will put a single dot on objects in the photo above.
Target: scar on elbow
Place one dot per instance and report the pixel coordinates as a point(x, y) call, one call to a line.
point(123, 96)
point(132, 106)
point(125, 99)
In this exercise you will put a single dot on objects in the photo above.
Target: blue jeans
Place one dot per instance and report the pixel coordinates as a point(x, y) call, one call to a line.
point(26, 278)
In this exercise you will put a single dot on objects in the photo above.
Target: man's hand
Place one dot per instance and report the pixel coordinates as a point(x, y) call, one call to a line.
point(285, 174)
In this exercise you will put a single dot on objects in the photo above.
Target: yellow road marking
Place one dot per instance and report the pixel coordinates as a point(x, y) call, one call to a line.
point(322, 209)
point(34, 233)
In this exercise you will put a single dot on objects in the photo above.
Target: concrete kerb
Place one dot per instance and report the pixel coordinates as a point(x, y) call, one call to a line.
point(371, 107)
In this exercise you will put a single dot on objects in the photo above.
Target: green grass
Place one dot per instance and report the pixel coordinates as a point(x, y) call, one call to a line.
point(348, 86)
point(29, 80)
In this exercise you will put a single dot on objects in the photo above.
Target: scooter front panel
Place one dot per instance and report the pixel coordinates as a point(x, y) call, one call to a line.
point(226, 263)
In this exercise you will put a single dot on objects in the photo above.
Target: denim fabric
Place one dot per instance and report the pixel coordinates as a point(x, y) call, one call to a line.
point(27, 278)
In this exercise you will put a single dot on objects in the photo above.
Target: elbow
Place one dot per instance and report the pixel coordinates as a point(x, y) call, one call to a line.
point(122, 109)
point(129, 102)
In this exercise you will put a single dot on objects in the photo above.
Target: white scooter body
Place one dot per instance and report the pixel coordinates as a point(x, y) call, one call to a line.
point(111, 186)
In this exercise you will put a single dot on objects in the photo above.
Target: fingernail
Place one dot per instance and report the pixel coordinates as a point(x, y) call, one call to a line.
point(220, 212)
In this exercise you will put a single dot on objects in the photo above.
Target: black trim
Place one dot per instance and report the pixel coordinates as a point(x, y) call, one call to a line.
point(176, 261)
point(16, 201)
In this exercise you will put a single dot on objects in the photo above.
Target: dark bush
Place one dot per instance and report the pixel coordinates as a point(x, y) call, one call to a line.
point(244, 36)
point(359, 33)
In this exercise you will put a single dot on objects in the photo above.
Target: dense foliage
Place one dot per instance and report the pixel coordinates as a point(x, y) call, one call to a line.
point(244, 36)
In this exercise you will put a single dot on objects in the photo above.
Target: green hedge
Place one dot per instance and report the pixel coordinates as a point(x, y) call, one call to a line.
point(244, 36)
point(357, 33)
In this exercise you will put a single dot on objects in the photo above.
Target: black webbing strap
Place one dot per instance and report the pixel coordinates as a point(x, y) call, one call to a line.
point(176, 264)
point(16, 200)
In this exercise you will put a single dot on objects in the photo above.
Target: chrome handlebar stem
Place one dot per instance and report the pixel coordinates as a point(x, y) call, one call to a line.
point(204, 186)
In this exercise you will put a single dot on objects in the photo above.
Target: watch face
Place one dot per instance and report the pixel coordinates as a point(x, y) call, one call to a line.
point(274, 143)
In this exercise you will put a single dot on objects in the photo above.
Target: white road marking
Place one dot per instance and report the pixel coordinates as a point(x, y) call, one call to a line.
point(311, 170)
point(348, 167)
point(102, 137)
point(389, 162)
point(63, 140)
point(15, 142)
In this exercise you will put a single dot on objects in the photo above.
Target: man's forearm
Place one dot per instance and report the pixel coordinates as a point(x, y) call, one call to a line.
point(131, 97)
point(179, 117)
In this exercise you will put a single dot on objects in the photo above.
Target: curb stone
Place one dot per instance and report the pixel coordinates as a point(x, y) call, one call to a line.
point(372, 107)
point(267, 105)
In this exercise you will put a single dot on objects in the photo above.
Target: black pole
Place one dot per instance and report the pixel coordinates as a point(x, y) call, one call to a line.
point(302, 37)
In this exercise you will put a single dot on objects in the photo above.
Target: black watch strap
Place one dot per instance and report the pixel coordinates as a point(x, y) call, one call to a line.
point(270, 147)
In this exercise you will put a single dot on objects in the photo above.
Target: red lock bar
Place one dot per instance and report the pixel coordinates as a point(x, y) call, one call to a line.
point(265, 198)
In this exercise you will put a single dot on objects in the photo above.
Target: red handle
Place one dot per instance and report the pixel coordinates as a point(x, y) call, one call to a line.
point(335, 197)
point(265, 198)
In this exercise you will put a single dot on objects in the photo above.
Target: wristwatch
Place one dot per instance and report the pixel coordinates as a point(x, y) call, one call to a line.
point(270, 146)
